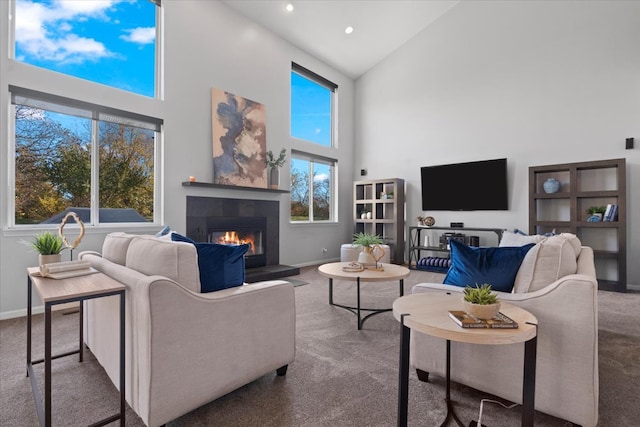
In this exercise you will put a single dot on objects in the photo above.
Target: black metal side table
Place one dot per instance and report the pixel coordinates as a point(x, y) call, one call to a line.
point(61, 291)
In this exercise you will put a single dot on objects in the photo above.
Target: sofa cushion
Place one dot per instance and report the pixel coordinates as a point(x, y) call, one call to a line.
point(221, 266)
point(551, 259)
point(174, 260)
point(495, 266)
point(115, 247)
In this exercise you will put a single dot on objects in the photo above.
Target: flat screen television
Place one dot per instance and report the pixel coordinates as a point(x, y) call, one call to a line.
point(470, 186)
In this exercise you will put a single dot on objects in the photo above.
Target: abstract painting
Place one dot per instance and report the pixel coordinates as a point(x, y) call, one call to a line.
point(239, 140)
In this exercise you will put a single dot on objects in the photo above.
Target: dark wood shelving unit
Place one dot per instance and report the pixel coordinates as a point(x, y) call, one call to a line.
point(585, 184)
point(230, 187)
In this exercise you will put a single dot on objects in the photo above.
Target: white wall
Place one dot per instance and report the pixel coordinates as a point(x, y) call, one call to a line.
point(536, 82)
point(206, 45)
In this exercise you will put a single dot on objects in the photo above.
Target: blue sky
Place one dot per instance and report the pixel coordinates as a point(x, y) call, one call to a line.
point(105, 41)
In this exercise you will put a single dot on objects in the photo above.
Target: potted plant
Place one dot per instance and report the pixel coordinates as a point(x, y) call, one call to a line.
point(481, 302)
point(597, 211)
point(49, 247)
point(369, 243)
point(274, 167)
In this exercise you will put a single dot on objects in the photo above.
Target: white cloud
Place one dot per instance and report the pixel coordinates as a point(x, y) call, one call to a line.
point(321, 177)
point(34, 19)
point(140, 35)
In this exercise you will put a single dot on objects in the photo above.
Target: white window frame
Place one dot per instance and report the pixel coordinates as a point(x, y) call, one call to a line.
point(333, 200)
point(97, 114)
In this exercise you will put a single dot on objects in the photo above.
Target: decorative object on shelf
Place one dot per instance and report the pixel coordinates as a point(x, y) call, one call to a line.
point(369, 215)
point(49, 247)
point(363, 214)
point(274, 167)
point(481, 302)
point(551, 185)
point(427, 221)
point(78, 239)
point(238, 150)
point(370, 243)
point(596, 213)
point(192, 178)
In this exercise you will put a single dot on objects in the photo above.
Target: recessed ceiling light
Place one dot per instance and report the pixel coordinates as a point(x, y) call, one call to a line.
point(289, 7)
point(348, 30)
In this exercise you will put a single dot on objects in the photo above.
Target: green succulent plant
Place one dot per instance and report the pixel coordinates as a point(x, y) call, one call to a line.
point(46, 243)
point(273, 162)
point(480, 294)
point(596, 209)
point(366, 239)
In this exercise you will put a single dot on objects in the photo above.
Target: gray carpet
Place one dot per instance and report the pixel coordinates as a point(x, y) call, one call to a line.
point(341, 376)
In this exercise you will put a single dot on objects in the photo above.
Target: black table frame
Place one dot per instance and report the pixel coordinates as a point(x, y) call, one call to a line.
point(528, 386)
point(43, 406)
point(357, 309)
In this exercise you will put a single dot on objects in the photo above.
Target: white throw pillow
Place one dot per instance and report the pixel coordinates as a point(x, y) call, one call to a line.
point(509, 238)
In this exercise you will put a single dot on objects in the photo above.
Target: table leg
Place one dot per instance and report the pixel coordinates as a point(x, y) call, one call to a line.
point(81, 329)
point(47, 364)
point(529, 382)
point(403, 374)
point(450, 412)
point(401, 287)
point(122, 358)
point(29, 284)
point(330, 291)
point(358, 290)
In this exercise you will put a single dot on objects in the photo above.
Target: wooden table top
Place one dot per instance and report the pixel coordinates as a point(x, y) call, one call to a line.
point(391, 272)
point(51, 290)
point(429, 313)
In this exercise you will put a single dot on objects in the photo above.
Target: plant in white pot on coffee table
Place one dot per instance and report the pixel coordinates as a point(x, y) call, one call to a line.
point(481, 302)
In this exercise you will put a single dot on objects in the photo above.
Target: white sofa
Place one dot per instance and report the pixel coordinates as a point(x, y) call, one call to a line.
point(184, 348)
point(557, 283)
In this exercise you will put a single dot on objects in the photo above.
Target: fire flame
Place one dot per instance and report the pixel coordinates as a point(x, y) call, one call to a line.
point(232, 238)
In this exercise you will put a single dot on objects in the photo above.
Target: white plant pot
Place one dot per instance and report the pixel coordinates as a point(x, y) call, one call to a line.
point(484, 312)
point(49, 259)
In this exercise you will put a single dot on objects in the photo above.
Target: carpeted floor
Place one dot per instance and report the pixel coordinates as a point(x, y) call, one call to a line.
point(341, 376)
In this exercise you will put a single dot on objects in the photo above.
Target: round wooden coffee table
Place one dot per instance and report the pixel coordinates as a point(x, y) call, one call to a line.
point(429, 313)
point(391, 272)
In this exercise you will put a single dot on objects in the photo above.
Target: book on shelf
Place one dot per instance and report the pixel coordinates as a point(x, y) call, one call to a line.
point(65, 269)
point(500, 321)
point(611, 213)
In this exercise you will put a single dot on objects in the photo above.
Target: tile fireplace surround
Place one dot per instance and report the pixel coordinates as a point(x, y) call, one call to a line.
point(205, 213)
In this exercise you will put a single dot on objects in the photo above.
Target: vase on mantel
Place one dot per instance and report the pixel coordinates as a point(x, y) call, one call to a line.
point(274, 178)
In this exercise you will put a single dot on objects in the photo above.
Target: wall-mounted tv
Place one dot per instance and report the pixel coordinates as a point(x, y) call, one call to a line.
point(470, 186)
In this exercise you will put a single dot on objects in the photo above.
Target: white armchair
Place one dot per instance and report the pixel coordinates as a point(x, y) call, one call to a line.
point(567, 353)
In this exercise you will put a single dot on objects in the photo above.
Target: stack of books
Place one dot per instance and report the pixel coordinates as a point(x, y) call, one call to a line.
point(611, 213)
point(63, 270)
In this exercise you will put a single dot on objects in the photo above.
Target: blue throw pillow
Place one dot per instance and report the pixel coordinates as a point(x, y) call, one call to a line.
point(221, 266)
point(495, 266)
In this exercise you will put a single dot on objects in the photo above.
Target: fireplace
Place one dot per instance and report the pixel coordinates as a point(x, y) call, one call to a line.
point(214, 219)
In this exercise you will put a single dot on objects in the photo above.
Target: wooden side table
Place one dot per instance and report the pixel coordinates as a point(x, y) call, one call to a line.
point(73, 289)
point(391, 272)
point(429, 313)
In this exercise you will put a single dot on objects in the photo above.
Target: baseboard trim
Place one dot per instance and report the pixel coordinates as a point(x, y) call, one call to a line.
point(36, 310)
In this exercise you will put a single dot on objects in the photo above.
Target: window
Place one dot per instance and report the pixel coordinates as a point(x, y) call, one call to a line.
point(71, 155)
point(312, 181)
point(112, 43)
point(312, 99)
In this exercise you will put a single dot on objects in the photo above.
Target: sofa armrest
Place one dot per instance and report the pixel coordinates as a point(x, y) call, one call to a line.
point(215, 342)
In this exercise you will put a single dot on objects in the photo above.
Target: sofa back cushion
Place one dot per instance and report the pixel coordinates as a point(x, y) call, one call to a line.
point(175, 260)
point(548, 261)
point(115, 247)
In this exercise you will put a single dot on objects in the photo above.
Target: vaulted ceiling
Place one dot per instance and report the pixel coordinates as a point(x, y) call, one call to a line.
point(318, 26)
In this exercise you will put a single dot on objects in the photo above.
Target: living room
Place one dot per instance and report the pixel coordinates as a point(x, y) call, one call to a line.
point(536, 82)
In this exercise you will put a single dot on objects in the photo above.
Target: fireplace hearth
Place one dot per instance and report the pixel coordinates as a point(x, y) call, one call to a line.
point(235, 221)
